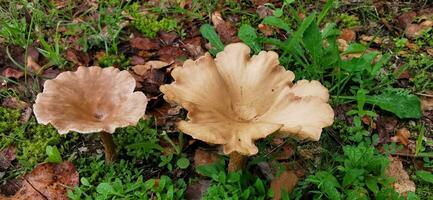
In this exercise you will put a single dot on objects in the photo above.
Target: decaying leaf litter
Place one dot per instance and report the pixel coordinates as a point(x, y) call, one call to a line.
point(374, 60)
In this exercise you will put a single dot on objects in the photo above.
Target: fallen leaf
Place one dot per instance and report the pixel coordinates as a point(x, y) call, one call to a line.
point(401, 136)
point(416, 30)
point(167, 37)
point(385, 125)
point(144, 43)
point(412, 46)
point(77, 57)
point(51, 73)
point(264, 11)
point(33, 59)
point(202, 157)
point(10, 187)
point(427, 104)
point(348, 35)
point(197, 190)
point(137, 60)
point(194, 47)
point(166, 116)
point(48, 181)
point(406, 19)
point(15, 103)
point(266, 30)
point(7, 155)
point(26, 114)
point(143, 70)
point(286, 181)
point(286, 151)
point(12, 73)
point(403, 184)
point(430, 51)
point(367, 39)
point(225, 29)
point(169, 53)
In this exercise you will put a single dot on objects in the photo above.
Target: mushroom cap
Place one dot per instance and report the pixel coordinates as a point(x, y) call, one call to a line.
point(235, 99)
point(91, 99)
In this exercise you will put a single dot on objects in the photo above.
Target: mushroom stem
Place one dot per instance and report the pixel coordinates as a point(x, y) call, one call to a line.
point(236, 162)
point(109, 147)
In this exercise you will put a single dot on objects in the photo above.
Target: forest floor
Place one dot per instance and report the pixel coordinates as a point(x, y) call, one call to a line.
point(375, 57)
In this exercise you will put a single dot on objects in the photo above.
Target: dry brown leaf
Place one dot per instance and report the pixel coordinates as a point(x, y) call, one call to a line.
point(167, 37)
point(7, 155)
point(166, 116)
point(15, 103)
point(33, 59)
point(194, 47)
point(144, 43)
point(427, 103)
point(401, 136)
point(137, 60)
point(264, 11)
point(403, 184)
point(197, 190)
point(265, 29)
point(12, 73)
point(348, 35)
point(225, 29)
point(286, 181)
point(202, 157)
point(142, 70)
point(77, 57)
point(429, 51)
point(47, 181)
point(170, 53)
point(367, 39)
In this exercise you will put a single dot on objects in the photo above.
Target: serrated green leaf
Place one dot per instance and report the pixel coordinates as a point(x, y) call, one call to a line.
point(355, 48)
point(208, 32)
point(53, 154)
point(351, 176)
point(401, 104)
point(371, 183)
point(276, 22)
point(425, 176)
point(104, 189)
point(248, 35)
point(183, 163)
point(313, 42)
point(259, 186)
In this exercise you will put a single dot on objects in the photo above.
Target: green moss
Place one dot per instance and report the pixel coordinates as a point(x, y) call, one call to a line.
point(122, 180)
point(108, 60)
point(349, 21)
point(424, 191)
point(148, 24)
point(420, 66)
point(29, 138)
point(140, 141)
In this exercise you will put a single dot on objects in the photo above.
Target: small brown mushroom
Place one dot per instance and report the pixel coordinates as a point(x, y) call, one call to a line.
point(237, 99)
point(92, 99)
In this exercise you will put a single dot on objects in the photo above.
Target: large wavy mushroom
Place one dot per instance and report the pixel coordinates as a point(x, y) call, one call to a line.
point(237, 99)
point(90, 100)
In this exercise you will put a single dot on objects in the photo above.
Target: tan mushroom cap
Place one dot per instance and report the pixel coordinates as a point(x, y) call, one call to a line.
point(92, 99)
point(237, 99)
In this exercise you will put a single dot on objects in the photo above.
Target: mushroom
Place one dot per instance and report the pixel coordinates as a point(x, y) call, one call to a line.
point(236, 99)
point(92, 99)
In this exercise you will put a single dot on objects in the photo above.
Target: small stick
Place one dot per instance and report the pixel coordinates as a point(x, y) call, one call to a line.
point(109, 147)
point(237, 161)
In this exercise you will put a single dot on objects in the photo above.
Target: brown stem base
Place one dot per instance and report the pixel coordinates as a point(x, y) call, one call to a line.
point(237, 161)
point(109, 147)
